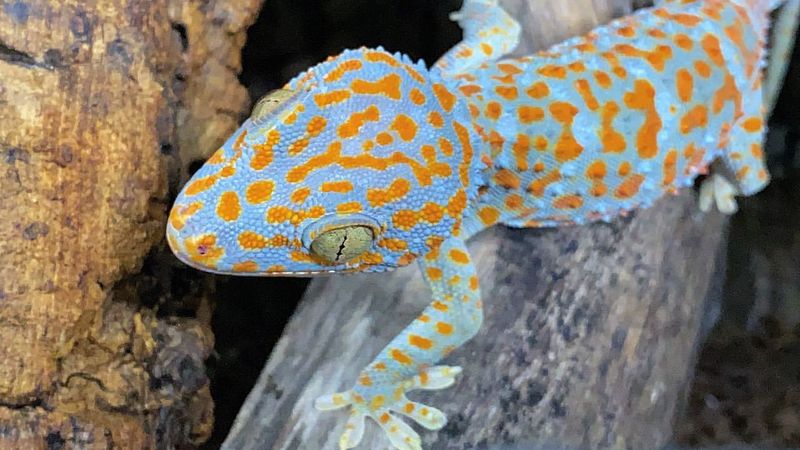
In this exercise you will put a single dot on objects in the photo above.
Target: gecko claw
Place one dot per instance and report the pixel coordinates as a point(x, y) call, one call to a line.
point(719, 190)
point(400, 434)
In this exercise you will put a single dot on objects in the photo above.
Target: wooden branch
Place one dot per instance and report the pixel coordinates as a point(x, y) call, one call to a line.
point(90, 97)
point(589, 338)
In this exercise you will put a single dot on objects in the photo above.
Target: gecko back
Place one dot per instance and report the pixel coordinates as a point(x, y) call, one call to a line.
point(613, 120)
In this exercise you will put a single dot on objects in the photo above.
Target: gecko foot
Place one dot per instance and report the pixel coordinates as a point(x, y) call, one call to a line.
point(718, 189)
point(370, 401)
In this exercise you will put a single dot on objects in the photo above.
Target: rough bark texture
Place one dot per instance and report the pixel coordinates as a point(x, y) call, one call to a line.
point(92, 95)
point(590, 332)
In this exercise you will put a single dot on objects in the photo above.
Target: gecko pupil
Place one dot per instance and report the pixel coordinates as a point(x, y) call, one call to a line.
point(344, 244)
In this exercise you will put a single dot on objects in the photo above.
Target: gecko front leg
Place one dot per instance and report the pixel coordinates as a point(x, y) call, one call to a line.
point(407, 363)
point(489, 33)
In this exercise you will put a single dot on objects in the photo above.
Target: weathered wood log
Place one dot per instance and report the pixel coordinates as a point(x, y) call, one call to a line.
point(590, 332)
point(96, 99)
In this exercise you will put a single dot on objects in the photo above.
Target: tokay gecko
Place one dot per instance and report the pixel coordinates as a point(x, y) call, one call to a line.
point(369, 161)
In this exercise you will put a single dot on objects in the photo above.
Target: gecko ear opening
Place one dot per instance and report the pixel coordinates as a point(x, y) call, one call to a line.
point(340, 245)
point(270, 102)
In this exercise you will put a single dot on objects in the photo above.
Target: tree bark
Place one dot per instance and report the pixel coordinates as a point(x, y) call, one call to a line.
point(590, 332)
point(98, 99)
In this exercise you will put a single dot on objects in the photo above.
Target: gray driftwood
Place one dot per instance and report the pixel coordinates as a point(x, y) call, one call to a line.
point(589, 339)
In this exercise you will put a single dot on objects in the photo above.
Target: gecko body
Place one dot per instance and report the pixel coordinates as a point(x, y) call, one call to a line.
point(369, 161)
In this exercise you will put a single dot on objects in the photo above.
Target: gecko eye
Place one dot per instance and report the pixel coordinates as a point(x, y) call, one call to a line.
point(270, 102)
point(339, 245)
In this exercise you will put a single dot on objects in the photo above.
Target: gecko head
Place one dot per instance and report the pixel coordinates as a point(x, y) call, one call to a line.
point(361, 163)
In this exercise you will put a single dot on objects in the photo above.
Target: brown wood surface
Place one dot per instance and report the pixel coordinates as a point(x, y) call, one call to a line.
point(590, 332)
point(102, 104)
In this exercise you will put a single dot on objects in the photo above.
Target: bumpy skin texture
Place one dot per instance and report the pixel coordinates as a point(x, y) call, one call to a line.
point(369, 162)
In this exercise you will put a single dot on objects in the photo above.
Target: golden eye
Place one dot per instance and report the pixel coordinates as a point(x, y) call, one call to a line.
point(270, 102)
point(340, 245)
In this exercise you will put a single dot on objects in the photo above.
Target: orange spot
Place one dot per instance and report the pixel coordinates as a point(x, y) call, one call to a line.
point(459, 256)
point(507, 179)
point(445, 97)
point(434, 273)
point(431, 212)
point(259, 191)
point(365, 380)
point(349, 208)
point(602, 78)
point(405, 127)
point(228, 208)
point(395, 245)
point(400, 357)
point(217, 158)
point(538, 90)
point(473, 283)
point(300, 194)
point(684, 84)
point(342, 186)
point(388, 86)
point(694, 118)
point(439, 306)
point(316, 125)
point(752, 124)
point(397, 190)
point(331, 98)
point(612, 140)
point(493, 110)
point(585, 90)
point(417, 97)
point(489, 215)
point(514, 201)
point(756, 151)
point(298, 146)
point(742, 173)
point(626, 31)
point(656, 33)
point(435, 119)
point(537, 187)
point(486, 48)
point(568, 202)
point(262, 153)
point(540, 142)
point(446, 146)
point(712, 48)
point(596, 170)
point(179, 214)
point(199, 185)
point(346, 66)
point(249, 240)
point(553, 71)
point(703, 69)
point(577, 66)
point(624, 168)
point(670, 167)
point(507, 92)
point(470, 89)
point(245, 266)
point(456, 204)
point(353, 124)
point(643, 98)
point(520, 149)
point(630, 186)
point(683, 41)
point(419, 342)
point(376, 56)
point(567, 148)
